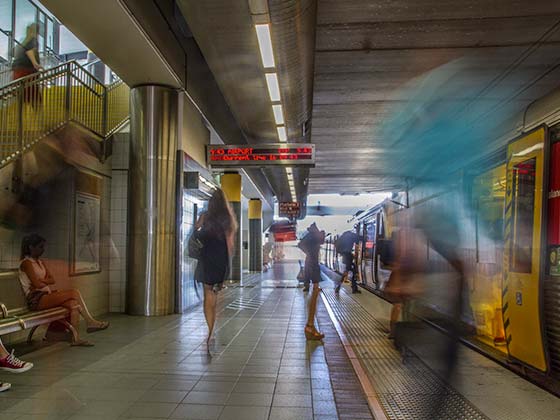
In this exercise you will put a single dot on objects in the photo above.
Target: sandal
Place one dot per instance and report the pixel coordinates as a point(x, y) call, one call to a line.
point(82, 343)
point(103, 326)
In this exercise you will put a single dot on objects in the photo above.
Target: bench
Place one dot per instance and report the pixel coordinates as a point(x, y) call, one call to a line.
point(15, 315)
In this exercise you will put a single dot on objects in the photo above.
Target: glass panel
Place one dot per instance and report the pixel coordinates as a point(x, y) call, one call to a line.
point(50, 34)
point(26, 13)
point(369, 252)
point(485, 283)
point(523, 213)
point(41, 32)
point(6, 15)
point(4, 47)
point(189, 293)
point(488, 196)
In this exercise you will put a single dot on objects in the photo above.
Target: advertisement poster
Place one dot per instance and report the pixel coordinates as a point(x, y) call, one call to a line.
point(87, 215)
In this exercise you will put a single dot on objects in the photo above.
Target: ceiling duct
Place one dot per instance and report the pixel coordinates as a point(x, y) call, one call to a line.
point(225, 33)
point(293, 36)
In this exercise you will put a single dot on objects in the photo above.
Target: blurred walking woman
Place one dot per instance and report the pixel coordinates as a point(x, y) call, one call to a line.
point(216, 231)
point(26, 62)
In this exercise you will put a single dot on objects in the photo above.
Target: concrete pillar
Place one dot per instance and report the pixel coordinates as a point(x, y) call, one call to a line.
point(255, 234)
point(231, 185)
point(152, 200)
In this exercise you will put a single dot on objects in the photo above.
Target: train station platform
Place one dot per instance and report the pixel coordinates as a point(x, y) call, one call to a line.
point(261, 367)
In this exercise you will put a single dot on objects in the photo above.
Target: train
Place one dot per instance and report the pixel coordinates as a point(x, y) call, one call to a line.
point(510, 246)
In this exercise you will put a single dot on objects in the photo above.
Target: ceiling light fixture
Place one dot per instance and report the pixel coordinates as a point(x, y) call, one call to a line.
point(278, 114)
point(282, 133)
point(273, 86)
point(265, 45)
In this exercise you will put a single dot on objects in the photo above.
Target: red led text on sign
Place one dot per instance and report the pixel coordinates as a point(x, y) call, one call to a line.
point(271, 154)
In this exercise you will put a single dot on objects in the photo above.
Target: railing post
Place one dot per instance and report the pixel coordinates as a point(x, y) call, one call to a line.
point(18, 167)
point(68, 93)
point(105, 125)
point(20, 98)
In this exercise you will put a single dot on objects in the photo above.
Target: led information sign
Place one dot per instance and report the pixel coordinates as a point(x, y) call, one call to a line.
point(289, 209)
point(272, 154)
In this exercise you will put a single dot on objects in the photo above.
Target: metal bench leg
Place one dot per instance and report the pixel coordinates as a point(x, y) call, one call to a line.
point(30, 336)
point(75, 335)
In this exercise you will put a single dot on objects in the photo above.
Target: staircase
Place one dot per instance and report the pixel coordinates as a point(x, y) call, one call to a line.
point(36, 106)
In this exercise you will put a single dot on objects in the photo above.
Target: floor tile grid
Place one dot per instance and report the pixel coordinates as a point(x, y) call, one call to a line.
point(403, 388)
point(112, 401)
point(236, 381)
point(350, 400)
point(238, 410)
point(85, 371)
point(302, 384)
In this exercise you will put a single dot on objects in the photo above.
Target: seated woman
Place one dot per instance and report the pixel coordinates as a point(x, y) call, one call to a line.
point(11, 363)
point(38, 286)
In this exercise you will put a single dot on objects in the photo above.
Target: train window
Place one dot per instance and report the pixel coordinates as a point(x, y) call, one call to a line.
point(523, 213)
point(488, 199)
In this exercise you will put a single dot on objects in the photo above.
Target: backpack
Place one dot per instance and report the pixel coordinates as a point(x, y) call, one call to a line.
point(305, 242)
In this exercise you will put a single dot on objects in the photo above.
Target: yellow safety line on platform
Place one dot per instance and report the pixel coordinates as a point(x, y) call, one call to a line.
point(371, 395)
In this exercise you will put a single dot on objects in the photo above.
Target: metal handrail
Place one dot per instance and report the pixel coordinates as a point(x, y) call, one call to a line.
point(36, 105)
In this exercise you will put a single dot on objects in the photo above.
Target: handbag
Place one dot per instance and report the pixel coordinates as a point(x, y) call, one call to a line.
point(195, 245)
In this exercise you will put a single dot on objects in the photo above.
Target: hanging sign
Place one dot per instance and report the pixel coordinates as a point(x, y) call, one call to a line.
point(289, 209)
point(271, 154)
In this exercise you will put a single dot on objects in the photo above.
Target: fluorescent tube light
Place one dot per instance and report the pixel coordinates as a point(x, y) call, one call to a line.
point(282, 133)
point(265, 45)
point(278, 114)
point(273, 86)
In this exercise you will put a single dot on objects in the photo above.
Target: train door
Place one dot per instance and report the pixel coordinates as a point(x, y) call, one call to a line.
point(369, 252)
point(523, 256)
point(378, 236)
point(359, 253)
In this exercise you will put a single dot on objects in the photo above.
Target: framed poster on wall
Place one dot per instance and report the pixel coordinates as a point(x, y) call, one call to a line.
point(86, 232)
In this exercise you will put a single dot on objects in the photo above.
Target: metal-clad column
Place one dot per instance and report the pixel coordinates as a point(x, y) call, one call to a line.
point(255, 234)
point(152, 222)
point(231, 185)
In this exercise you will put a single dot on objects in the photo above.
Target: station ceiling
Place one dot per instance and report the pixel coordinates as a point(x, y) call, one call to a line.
point(386, 89)
point(371, 61)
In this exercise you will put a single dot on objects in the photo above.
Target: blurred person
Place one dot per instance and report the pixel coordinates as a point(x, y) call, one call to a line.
point(345, 247)
point(414, 287)
point(311, 245)
point(267, 249)
point(216, 231)
point(26, 62)
point(11, 363)
point(403, 284)
point(39, 288)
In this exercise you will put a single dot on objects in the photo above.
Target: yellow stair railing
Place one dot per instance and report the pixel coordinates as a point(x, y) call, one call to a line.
point(37, 105)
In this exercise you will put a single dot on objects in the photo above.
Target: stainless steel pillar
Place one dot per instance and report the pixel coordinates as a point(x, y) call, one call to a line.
point(151, 206)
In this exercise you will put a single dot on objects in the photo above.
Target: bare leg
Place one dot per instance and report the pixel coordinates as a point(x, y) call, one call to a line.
point(312, 310)
point(209, 309)
point(60, 297)
point(311, 332)
point(91, 321)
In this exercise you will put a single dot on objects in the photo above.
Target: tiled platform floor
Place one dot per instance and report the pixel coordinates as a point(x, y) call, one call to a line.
point(260, 366)
point(480, 388)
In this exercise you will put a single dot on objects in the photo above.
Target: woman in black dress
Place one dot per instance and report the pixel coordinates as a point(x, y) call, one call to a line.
point(312, 273)
point(216, 231)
